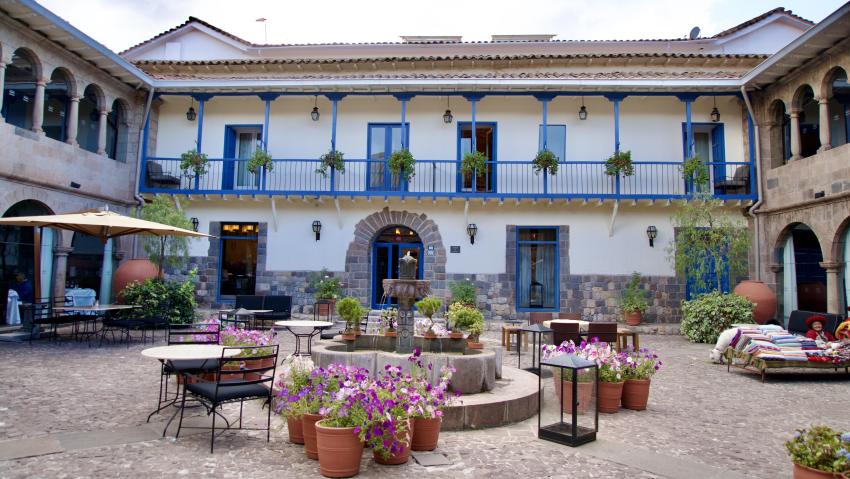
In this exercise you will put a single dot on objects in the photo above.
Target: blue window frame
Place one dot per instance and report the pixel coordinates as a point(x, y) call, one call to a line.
point(537, 269)
point(240, 141)
point(710, 147)
point(237, 260)
point(556, 141)
point(382, 139)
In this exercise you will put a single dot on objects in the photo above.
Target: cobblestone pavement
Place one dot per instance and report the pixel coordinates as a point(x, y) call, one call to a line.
point(699, 414)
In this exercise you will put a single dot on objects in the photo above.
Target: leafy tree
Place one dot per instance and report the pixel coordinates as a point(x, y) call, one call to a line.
point(171, 251)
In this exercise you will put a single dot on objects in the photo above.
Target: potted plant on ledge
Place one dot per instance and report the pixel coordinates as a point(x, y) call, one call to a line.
point(469, 319)
point(332, 159)
point(545, 161)
point(193, 163)
point(351, 312)
point(389, 320)
point(634, 302)
point(260, 160)
point(819, 452)
point(402, 163)
point(429, 306)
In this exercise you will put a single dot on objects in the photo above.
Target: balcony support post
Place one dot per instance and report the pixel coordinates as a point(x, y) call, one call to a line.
point(267, 99)
point(334, 98)
point(616, 98)
point(202, 99)
point(544, 103)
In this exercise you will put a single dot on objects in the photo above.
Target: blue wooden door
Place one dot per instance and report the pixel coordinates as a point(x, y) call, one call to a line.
point(383, 139)
point(718, 156)
point(694, 288)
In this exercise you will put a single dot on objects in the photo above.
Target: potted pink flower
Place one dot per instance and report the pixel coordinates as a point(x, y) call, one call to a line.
point(638, 368)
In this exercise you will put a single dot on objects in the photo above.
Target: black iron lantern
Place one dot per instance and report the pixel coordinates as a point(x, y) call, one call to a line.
point(447, 116)
point(651, 233)
point(315, 113)
point(535, 294)
point(317, 228)
point(195, 223)
point(715, 113)
point(190, 113)
point(471, 230)
point(582, 112)
point(576, 419)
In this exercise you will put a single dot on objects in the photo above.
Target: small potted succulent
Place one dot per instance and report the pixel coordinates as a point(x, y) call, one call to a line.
point(634, 301)
point(260, 160)
point(332, 159)
point(620, 163)
point(350, 310)
point(469, 319)
point(402, 163)
point(819, 452)
point(193, 163)
point(429, 306)
point(389, 321)
point(474, 163)
point(545, 161)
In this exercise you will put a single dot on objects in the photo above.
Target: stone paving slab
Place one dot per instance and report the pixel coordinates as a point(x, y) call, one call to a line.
point(35, 446)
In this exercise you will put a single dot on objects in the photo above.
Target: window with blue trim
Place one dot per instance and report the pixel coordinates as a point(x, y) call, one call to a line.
point(556, 141)
point(537, 268)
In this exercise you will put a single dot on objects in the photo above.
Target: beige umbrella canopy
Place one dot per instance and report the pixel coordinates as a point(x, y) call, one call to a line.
point(102, 224)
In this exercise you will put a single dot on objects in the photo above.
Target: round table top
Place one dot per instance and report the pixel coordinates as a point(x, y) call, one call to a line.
point(248, 312)
point(188, 351)
point(99, 307)
point(297, 323)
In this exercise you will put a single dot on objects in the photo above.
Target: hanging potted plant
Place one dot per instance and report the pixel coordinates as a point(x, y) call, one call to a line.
point(819, 452)
point(351, 312)
point(634, 302)
point(295, 375)
point(193, 163)
point(696, 172)
point(389, 320)
point(260, 160)
point(332, 159)
point(429, 306)
point(638, 368)
point(545, 161)
point(469, 319)
point(427, 412)
point(620, 163)
point(474, 163)
point(402, 163)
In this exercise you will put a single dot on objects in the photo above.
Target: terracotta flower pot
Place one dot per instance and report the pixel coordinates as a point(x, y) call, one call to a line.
point(609, 396)
point(636, 394)
point(585, 394)
point(339, 451)
point(633, 319)
point(402, 456)
point(132, 270)
point(390, 334)
point(296, 430)
point(231, 366)
point(763, 297)
point(349, 337)
point(430, 335)
point(308, 425)
point(474, 344)
point(426, 433)
point(803, 472)
point(456, 335)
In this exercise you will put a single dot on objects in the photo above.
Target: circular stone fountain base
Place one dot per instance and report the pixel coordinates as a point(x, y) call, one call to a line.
point(514, 399)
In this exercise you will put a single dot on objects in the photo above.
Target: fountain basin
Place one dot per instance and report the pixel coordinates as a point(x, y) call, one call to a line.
point(475, 370)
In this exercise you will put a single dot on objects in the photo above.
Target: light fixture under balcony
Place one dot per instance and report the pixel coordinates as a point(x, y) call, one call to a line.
point(315, 113)
point(317, 229)
point(651, 233)
point(582, 112)
point(447, 116)
point(715, 113)
point(190, 113)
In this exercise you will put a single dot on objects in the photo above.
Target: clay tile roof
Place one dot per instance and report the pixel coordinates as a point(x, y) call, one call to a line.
point(616, 75)
point(759, 18)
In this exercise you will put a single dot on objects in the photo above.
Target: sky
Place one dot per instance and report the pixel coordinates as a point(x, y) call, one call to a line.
point(119, 24)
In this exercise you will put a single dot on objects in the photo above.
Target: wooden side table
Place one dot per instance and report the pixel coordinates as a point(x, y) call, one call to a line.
point(508, 331)
point(623, 336)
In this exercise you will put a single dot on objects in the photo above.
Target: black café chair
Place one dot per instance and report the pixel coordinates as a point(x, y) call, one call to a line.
point(198, 333)
point(605, 331)
point(248, 384)
point(565, 332)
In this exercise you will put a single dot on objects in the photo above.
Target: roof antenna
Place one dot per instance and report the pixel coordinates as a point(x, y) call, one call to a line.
point(694, 33)
point(265, 30)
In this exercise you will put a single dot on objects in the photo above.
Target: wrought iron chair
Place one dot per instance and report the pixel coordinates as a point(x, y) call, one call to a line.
point(198, 333)
point(252, 381)
point(606, 332)
point(565, 332)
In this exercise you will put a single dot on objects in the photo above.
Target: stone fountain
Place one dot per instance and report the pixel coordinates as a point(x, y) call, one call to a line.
point(407, 289)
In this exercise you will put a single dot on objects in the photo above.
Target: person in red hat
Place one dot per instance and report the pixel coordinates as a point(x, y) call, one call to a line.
point(816, 332)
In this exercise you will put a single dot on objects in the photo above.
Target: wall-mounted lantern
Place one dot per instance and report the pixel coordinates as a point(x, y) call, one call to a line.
point(317, 228)
point(651, 233)
point(471, 230)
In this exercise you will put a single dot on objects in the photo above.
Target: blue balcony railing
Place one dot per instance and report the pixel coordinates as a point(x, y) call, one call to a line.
point(443, 178)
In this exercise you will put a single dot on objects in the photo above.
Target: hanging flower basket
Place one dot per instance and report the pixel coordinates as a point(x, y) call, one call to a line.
point(193, 162)
point(474, 162)
point(332, 159)
point(620, 163)
point(545, 161)
point(260, 160)
point(402, 163)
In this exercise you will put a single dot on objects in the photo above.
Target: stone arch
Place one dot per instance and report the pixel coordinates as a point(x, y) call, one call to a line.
point(799, 94)
point(98, 93)
point(828, 78)
point(70, 80)
point(782, 235)
point(358, 256)
point(33, 59)
point(836, 249)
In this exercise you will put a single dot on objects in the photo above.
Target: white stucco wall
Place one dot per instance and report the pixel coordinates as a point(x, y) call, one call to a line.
point(191, 45)
point(293, 247)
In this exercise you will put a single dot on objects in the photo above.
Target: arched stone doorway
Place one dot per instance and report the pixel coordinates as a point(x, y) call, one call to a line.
point(388, 247)
point(358, 258)
point(803, 279)
point(27, 251)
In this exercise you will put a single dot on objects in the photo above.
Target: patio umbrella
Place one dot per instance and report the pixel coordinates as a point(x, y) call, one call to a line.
point(103, 224)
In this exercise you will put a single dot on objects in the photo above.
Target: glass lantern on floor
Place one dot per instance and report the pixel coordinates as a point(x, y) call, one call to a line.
point(576, 389)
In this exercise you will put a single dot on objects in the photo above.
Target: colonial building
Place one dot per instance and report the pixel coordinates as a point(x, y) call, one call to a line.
point(531, 241)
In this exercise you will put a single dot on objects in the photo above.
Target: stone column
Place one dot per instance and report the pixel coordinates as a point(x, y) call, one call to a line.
point(2, 82)
point(60, 266)
point(101, 132)
point(823, 125)
point(38, 106)
point(72, 121)
point(796, 147)
point(833, 286)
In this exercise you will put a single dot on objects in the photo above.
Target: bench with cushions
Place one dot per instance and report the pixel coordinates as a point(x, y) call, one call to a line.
point(280, 305)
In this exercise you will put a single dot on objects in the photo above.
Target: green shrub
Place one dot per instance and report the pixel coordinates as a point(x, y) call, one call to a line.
point(158, 298)
point(706, 316)
point(466, 318)
point(463, 292)
point(634, 299)
point(350, 310)
point(820, 448)
point(428, 306)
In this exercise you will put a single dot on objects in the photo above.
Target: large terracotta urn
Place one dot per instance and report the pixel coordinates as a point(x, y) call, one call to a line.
point(762, 296)
point(132, 270)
